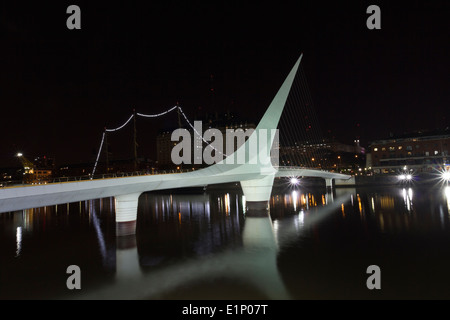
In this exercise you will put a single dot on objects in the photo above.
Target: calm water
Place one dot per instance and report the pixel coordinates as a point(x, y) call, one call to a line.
point(314, 245)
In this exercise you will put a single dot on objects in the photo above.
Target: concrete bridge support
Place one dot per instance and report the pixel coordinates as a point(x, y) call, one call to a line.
point(126, 213)
point(257, 192)
point(329, 183)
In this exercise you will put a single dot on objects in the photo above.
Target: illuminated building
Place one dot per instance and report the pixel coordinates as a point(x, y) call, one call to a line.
point(421, 152)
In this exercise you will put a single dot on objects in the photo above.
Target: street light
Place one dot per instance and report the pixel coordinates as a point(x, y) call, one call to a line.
point(19, 154)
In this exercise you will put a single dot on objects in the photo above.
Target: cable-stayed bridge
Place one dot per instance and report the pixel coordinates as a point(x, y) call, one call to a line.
point(256, 175)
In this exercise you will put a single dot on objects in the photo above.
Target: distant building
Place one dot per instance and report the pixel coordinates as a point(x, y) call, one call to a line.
point(43, 175)
point(421, 151)
point(327, 155)
point(44, 168)
point(164, 143)
point(41, 170)
point(164, 146)
point(10, 175)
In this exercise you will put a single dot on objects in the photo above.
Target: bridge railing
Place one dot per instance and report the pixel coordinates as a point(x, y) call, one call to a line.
point(20, 183)
point(286, 168)
point(289, 167)
point(100, 176)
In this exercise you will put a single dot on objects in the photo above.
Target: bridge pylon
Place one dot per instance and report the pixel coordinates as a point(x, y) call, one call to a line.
point(258, 191)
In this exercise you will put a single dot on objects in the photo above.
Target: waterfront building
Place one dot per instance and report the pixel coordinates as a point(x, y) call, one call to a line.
point(420, 151)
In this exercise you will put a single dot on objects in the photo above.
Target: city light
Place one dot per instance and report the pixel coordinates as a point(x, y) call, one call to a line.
point(19, 154)
point(405, 177)
point(446, 175)
point(294, 181)
point(443, 174)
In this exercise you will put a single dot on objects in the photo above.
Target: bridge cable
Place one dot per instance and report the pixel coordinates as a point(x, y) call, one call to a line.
point(150, 116)
point(295, 137)
point(199, 134)
point(157, 115)
point(303, 140)
point(313, 127)
point(326, 162)
point(98, 155)
point(121, 127)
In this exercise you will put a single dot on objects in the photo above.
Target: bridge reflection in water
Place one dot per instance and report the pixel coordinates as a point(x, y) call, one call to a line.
point(206, 246)
point(203, 246)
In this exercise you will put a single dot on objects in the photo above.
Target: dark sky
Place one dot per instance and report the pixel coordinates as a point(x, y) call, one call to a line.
point(60, 87)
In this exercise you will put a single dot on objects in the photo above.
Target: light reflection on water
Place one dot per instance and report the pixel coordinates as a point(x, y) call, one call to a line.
point(314, 245)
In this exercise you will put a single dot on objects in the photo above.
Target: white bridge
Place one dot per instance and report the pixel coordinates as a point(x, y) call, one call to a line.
point(256, 179)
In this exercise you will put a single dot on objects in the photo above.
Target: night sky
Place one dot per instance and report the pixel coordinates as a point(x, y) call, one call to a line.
point(59, 88)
